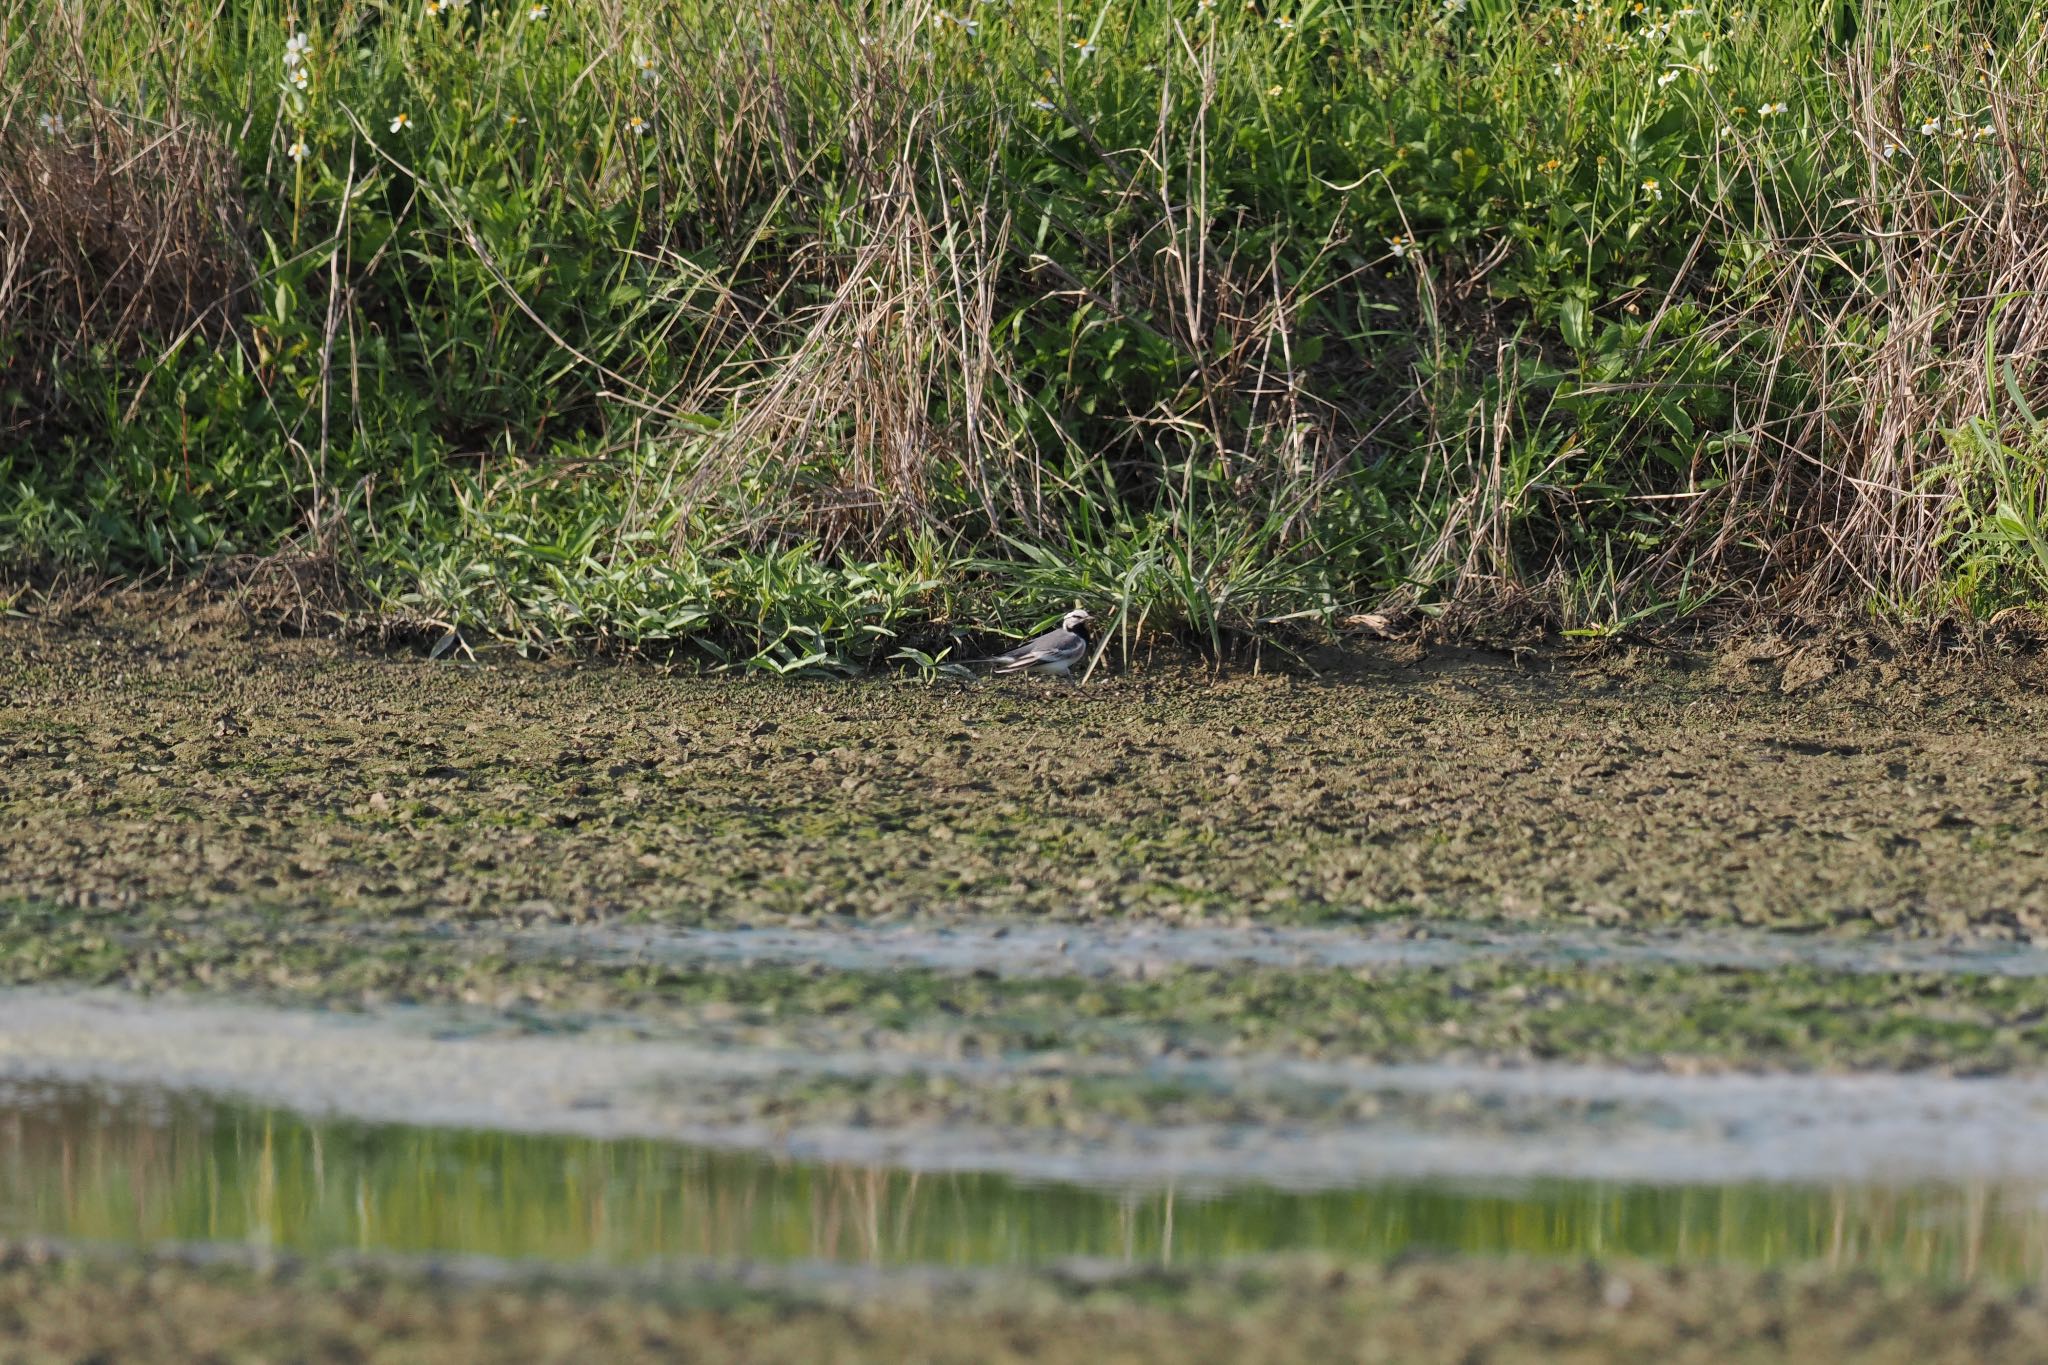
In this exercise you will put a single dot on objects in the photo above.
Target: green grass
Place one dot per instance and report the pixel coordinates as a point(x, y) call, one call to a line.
point(889, 320)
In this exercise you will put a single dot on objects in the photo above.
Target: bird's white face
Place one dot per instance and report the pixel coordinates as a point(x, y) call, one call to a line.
point(1076, 618)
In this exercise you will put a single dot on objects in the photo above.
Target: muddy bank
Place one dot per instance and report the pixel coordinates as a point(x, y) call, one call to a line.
point(183, 762)
point(62, 1309)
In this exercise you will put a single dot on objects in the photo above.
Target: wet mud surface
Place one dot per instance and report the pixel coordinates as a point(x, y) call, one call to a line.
point(63, 1307)
point(183, 762)
point(1420, 915)
point(1638, 862)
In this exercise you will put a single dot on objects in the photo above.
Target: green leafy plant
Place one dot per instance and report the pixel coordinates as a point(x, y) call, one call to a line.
point(774, 333)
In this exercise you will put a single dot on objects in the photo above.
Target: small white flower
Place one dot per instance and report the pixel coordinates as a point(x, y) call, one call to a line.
point(645, 66)
point(1043, 106)
point(1204, 6)
point(868, 40)
point(1084, 47)
point(1400, 246)
point(1454, 6)
point(434, 8)
point(1653, 188)
point(1667, 77)
point(1284, 24)
point(301, 80)
point(1557, 68)
point(1930, 127)
point(1686, 13)
point(51, 124)
point(296, 47)
point(400, 122)
point(972, 26)
point(536, 13)
point(1891, 149)
point(1986, 133)
point(1766, 110)
point(637, 126)
point(297, 151)
point(1727, 130)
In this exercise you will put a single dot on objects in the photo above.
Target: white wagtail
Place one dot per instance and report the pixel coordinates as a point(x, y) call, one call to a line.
point(1055, 652)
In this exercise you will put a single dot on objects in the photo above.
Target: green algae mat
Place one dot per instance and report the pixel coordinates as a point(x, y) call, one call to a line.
point(167, 763)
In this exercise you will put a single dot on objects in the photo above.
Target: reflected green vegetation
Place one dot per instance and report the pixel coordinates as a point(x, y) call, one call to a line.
point(79, 1164)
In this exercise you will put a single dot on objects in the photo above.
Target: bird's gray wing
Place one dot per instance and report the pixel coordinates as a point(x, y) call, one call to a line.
point(1050, 645)
point(1022, 651)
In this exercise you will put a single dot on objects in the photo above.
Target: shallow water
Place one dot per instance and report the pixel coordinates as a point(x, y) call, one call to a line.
point(1295, 1122)
point(87, 1163)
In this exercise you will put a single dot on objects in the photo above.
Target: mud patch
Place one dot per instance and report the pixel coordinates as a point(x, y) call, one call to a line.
point(62, 1306)
point(141, 766)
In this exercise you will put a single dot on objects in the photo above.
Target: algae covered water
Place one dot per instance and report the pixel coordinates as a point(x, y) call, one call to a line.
point(84, 1163)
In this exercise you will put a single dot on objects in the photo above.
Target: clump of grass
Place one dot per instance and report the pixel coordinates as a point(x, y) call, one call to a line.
point(783, 330)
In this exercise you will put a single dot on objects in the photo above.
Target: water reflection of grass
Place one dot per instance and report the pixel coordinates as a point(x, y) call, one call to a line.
point(76, 1166)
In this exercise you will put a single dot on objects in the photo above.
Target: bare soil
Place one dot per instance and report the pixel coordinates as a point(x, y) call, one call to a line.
point(56, 1309)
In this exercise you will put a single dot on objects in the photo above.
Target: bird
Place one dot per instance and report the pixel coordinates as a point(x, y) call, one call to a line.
point(1055, 652)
